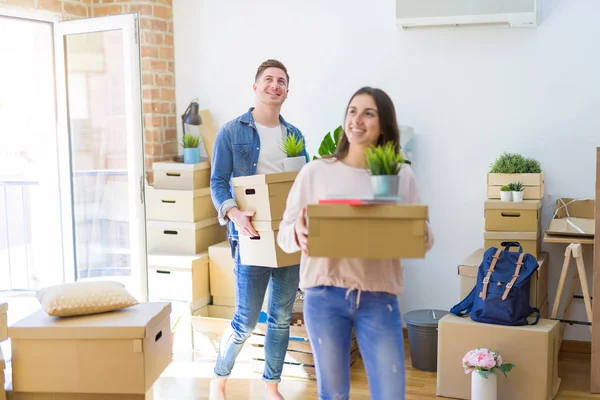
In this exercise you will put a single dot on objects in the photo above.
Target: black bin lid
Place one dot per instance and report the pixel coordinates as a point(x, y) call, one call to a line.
point(428, 317)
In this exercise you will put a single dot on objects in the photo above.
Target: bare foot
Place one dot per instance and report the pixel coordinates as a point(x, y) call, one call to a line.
point(273, 392)
point(217, 389)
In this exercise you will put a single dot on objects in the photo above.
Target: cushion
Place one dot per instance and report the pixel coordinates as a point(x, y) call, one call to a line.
point(84, 298)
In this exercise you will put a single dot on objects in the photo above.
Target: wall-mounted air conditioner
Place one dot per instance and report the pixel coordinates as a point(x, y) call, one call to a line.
point(432, 13)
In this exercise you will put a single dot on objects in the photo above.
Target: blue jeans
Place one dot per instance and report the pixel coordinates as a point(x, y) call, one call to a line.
point(330, 314)
point(250, 286)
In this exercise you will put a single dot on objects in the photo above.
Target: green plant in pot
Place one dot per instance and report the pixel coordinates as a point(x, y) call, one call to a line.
point(517, 191)
point(293, 146)
point(505, 193)
point(191, 151)
point(330, 142)
point(384, 163)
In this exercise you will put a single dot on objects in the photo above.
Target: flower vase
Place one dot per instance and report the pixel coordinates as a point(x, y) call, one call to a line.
point(482, 388)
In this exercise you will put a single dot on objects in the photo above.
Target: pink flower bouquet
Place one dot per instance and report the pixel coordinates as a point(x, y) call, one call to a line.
point(484, 360)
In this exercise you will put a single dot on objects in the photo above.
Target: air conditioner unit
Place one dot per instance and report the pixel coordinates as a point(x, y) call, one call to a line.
point(457, 13)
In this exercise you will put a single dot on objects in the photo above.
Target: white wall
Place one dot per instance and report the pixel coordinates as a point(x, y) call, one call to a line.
point(470, 95)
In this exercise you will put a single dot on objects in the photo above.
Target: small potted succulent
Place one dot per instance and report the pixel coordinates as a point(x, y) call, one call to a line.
point(505, 193)
point(191, 151)
point(517, 191)
point(384, 163)
point(293, 147)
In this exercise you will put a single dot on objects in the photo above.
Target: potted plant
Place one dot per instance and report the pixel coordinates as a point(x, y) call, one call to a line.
point(293, 145)
point(384, 163)
point(330, 142)
point(485, 365)
point(191, 151)
point(517, 191)
point(513, 167)
point(505, 193)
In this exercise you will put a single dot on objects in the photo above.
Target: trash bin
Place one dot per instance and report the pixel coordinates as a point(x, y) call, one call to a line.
point(423, 337)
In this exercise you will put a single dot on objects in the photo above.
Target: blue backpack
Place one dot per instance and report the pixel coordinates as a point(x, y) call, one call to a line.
point(501, 294)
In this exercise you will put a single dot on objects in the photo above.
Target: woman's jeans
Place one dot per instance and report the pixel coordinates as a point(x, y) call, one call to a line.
point(250, 286)
point(330, 314)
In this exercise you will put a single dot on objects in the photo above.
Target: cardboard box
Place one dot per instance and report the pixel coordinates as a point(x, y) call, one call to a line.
point(533, 184)
point(503, 216)
point(122, 351)
point(179, 205)
point(222, 280)
point(264, 251)
point(208, 325)
point(538, 292)
point(184, 237)
point(374, 231)
point(177, 277)
point(266, 194)
point(2, 366)
point(78, 396)
point(532, 349)
point(573, 217)
point(531, 242)
point(3, 321)
point(180, 176)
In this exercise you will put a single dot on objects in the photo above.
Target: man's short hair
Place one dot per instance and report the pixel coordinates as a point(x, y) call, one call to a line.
point(269, 64)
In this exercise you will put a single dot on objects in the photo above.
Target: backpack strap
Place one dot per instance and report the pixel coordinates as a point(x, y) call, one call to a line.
point(510, 284)
point(464, 307)
point(486, 280)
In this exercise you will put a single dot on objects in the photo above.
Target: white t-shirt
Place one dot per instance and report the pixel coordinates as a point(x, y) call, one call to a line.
point(270, 157)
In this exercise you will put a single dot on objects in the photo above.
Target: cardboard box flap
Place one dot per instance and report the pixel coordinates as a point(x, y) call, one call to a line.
point(165, 194)
point(387, 211)
point(3, 308)
point(492, 204)
point(182, 261)
point(182, 225)
point(514, 236)
point(135, 322)
point(266, 225)
point(178, 166)
point(573, 217)
point(262, 179)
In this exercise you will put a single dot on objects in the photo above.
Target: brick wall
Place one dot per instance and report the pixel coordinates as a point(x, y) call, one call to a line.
point(157, 58)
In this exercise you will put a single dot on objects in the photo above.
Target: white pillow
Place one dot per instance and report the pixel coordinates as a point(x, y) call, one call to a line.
point(84, 298)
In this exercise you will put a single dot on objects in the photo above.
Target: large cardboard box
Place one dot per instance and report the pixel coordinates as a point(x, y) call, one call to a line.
point(222, 284)
point(3, 321)
point(266, 194)
point(179, 205)
point(184, 237)
point(179, 277)
point(373, 231)
point(208, 325)
point(467, 270)
point(10, 395)
point(180, 176)
point(504, 216)
point(533, 184)
point(573, 217)
point(122, 351)
point(533, 349)
point(264, 251)
point(531, 242)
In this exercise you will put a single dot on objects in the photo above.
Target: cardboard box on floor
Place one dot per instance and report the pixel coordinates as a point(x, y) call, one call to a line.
point(3, 321)
point(521, 216)
point(179, 176)
point(538, 292)
point(10, 395)
point(208, 325)
point(184, 237)
point(222, 285)
point(573, 217)
point(179, 205)
point(266, 194)
point(264, 251)
point(179, 277)
point(373, 231)
point(532, 349)
point(121, 352)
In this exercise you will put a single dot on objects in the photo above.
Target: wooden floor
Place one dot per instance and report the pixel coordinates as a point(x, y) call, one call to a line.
point(189, 375)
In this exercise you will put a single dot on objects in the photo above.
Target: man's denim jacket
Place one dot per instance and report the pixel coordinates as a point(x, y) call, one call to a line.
point(235, 153)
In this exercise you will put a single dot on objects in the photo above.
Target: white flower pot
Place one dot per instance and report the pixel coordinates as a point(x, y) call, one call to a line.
point(517, 196)
point(293, 163)
point(505, 196)
point(482, 388)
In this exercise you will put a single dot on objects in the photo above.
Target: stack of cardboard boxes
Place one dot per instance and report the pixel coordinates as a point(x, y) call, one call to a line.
point(3, 336)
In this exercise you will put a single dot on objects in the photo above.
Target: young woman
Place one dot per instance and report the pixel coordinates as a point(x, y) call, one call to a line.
point(341, 294)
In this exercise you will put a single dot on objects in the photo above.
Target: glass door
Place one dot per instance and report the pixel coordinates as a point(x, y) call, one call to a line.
point(101, 149)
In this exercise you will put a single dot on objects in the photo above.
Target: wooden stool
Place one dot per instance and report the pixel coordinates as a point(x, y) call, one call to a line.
point(573, 250)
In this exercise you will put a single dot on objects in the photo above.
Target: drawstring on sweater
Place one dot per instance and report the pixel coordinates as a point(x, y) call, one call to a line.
point(350, 289)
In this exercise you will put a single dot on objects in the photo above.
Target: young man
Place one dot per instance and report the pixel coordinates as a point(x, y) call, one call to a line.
point(249, 145)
